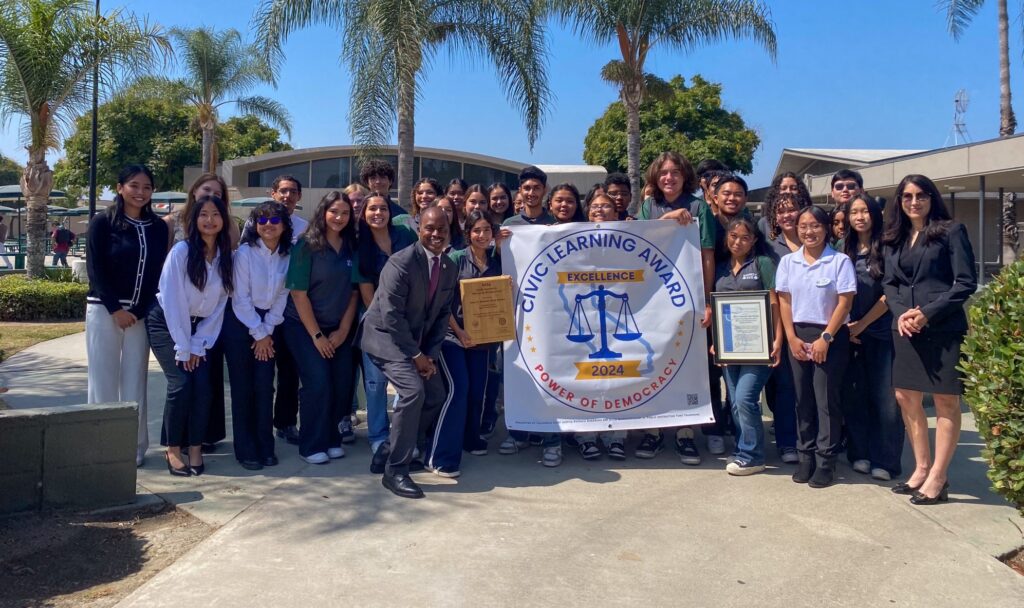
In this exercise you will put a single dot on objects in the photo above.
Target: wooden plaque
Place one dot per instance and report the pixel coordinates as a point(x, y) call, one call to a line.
point(487, 309)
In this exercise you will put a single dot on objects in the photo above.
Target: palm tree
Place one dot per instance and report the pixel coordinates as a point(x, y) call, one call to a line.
point(959, 14)
point(220, 69)
point(389, 44)
point(638, 26)
point(48, 49)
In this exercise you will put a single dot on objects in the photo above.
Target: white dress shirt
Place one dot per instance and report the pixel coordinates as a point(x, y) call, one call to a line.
point(815, 288)
point(299, 225)
point(182, 302)
point(259, 283)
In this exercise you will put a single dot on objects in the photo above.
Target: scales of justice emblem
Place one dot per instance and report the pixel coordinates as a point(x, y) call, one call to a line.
point(626, 329)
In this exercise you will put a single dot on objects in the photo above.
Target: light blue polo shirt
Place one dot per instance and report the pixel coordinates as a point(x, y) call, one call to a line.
point(814, 288)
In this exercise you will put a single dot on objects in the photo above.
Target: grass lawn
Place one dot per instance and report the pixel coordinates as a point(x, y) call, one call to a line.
point(16, 337)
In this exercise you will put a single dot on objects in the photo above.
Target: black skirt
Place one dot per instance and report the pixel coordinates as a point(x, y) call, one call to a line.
point(927, 362)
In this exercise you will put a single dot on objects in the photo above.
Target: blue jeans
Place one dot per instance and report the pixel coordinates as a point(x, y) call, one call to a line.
point(874, 425)
point(376, 387)
point(744, 383)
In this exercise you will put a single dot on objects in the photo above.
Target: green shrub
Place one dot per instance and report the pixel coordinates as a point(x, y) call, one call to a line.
point(22, 299)
point(993, 367)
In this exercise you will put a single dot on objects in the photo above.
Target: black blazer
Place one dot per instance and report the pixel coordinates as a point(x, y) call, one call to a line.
point(400, 321)
point(945, 277)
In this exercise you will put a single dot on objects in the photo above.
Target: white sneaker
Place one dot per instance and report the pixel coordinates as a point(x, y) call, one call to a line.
point(716, 445)
point(862, 466)
point(511, 446)
point(740, 468)
point(552, 456)
point(318, 458)
point(337, 452)
point(880, 474)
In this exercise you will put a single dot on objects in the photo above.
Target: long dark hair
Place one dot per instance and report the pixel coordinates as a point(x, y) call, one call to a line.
point(368, 249)
point(116, 211)
point(740, 220)
point(434, 185)
point(197, 247)
point(577, 215)
point(251, 237)
point(897, 224)
point(771, 199)
point(875, 261)
point(509, 211)
point(316, 235)
point(475, 216)
point(772, 213)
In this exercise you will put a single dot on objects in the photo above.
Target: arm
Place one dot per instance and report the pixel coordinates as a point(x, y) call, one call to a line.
point(241, 299)
point(796, 345)
point(97, 251)
point(172, 288)
point(434, 336)
point(819, 348)
point(857, 327)
point(392, 300)
point(965, 279)
point(891, 283)
point(707, 261)
point(275, 316)
point(777, 327)
point(460, 333)
point(338, 336)
point(366, 292)
point(209, 328)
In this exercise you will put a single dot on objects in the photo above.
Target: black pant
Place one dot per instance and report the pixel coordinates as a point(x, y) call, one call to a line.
point(187, 410)
point(216, 429)
point(819, 417)
point(286, 406)
point(325, 386)
point(252, 391)
point(419, 403)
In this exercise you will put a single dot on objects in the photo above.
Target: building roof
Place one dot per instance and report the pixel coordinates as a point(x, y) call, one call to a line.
point(814, 161)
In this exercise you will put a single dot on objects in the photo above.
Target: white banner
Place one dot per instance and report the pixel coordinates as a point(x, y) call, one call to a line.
point(608, 327)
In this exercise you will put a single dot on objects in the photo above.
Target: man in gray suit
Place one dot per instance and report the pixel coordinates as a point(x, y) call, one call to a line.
point(402, 333)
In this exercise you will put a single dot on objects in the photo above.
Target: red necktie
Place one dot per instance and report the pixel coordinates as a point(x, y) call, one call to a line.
point(435, 275)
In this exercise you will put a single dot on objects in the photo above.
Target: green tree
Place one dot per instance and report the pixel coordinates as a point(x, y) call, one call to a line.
point(691, 120)
point(959, 14)
point(48, 49)
point(10, 171)
point(638, 26)
point(160, 132)
point(389, 44)
point(220, 70)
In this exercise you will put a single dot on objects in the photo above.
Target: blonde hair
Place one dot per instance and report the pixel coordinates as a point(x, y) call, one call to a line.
point(355, 187)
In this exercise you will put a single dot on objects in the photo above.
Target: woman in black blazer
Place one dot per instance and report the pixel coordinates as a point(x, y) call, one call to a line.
point(929, 274)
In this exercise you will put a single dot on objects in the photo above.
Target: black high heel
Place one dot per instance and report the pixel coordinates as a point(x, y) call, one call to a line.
point(182, 472)
point(905, 488)
point(920, 499)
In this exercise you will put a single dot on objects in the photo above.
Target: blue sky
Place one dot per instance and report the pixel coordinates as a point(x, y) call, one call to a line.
point(864, 74)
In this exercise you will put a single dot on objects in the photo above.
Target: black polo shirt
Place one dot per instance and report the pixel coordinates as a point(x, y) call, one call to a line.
point(756, 274)
point(326, 277)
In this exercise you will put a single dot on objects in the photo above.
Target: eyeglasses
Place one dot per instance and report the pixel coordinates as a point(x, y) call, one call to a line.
point(287, 191)
point(273, 220)
point(921, 197)
point(840, 186)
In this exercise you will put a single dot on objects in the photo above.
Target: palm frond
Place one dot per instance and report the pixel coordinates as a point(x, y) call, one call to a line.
point(689, 24)
point(267, 109)
point(959, 14)
point(275, 20)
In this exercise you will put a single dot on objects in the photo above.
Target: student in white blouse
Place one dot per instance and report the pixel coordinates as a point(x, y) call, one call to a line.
point(256, 309)
point(185, 322)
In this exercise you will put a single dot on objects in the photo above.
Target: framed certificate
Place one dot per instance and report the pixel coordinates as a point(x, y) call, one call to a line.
point(487, 309)
point(743, 329)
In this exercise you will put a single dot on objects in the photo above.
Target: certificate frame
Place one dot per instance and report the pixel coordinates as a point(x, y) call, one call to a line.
point(742, 343)
point(487, 309)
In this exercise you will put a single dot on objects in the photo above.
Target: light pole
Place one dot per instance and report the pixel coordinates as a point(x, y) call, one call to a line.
point(95, 107)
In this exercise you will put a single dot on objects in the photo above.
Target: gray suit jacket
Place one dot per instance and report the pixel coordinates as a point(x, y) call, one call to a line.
point(400, 321)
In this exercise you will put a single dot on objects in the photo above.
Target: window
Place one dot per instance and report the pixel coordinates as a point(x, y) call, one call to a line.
point(265, 177)
point(443, 171)
point(485, 176)
point(331, 173)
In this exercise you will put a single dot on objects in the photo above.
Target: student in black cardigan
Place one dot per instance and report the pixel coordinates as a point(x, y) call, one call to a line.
point(124, 254)
point(929, 274)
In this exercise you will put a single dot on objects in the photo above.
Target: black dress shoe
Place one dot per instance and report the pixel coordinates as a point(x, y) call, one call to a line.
point(289, 434)
point(380, 459)
point(270, 461)
point(402, 485)
point(251, 465)
point(804, 469)
point(182, 472)
point(197, 470)
point(905, 488)
point(822, 477)
point(416, 466)
point(920, 499)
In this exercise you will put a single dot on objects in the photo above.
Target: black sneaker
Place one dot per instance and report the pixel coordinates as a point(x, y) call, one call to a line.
point(686, 447)
point(536, 440)
point(617, 451)
point(649, 446)
point(289, 434)
point(345, 430)
point(571, 441)
point(589, 450)
point(487, 430)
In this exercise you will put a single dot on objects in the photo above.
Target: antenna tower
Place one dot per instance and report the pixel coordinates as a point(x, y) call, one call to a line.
point(959, 133)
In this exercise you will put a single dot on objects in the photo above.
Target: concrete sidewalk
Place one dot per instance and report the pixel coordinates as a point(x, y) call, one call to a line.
point(510, 532)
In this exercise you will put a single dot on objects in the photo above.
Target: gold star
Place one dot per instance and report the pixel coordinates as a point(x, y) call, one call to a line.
point(529, 338)
point(677, 344)
point(533, 349)
point(528, 328)
point(681, 322)
point(680, 334)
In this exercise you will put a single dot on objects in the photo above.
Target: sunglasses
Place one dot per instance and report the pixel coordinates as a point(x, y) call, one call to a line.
point(840, 186)
point(273, 220)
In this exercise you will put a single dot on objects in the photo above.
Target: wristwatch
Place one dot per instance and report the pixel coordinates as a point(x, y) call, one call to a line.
point(318, 335)
point(827, 337)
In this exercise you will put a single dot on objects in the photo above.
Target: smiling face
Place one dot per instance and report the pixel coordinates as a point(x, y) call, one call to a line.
point(844, 190)
point(424, 195)
point(740, 241)
point(434, 230)
point(445, 205)
point(456, 194)
point(136, 193)
point(811, 231)
point(499, 201)
point(602, 209)
point(731, 199)
point(476, 201)
point(915, 203)
point(288, 194)
point(788, 186)
point(268, 230)
point(338, 216)
point(563, 205)
point(620, 195)
point(670, 180)
point(785, 216)
point(481, 234)
point(838, 228)
point(376, 213)
point(209, 221)
point(379, 184)
point(860, 217)
point(517, 203)
point(532, 192)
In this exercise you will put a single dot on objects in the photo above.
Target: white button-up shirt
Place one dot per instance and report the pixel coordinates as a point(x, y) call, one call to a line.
point(259, 276)
point(299, 225)
point(814, 288)
point(182, 302)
